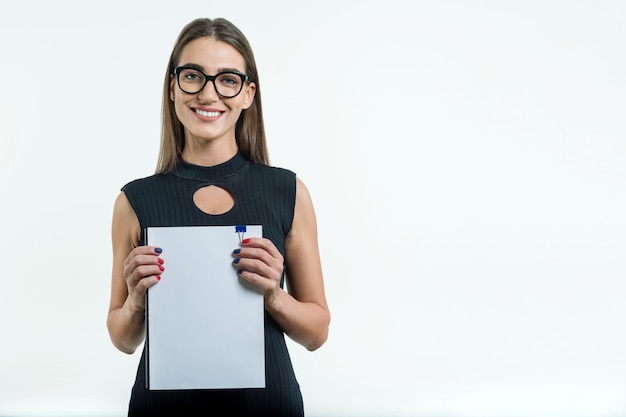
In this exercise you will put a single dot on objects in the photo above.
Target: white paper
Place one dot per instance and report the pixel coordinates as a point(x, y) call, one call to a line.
point(205, 323)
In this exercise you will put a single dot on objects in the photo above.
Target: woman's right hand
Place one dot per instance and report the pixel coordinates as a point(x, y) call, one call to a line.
point(135, 269)
point(142, 269)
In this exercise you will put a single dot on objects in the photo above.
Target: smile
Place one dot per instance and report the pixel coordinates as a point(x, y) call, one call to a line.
point(207, 113)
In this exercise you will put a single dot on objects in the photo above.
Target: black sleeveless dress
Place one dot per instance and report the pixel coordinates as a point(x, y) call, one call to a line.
point(263, 195)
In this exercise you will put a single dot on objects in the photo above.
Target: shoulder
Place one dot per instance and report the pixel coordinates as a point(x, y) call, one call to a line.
point(141, 182)
point(270, 170)
point(273, 178)
point(142, 192)
point(125, 227)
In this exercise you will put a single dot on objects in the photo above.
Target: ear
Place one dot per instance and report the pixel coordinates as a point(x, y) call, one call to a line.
point(172, 87)
point(249, 95)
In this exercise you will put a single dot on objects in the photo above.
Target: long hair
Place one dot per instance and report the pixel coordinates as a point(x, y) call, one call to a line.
point(249, 130)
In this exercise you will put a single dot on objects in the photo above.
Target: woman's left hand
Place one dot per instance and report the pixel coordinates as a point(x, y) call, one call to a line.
point(259, 262)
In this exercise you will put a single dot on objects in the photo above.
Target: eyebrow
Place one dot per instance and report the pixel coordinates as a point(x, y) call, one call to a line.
point(201, 68)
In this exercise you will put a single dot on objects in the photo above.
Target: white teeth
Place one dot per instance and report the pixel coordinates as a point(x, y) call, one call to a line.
point(207, 113)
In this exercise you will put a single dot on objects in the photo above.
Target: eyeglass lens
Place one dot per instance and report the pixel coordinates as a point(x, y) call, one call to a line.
point(227, 84)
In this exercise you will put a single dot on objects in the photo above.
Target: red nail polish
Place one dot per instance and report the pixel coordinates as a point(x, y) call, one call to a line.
point(159, 277)
point(161, 261)
point(245, 240)
point(161, 268)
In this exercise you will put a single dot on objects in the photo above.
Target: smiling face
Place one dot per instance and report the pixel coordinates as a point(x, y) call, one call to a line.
point(206, 116)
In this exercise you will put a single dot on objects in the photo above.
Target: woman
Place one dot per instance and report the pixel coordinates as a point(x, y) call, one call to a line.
point(213, 170)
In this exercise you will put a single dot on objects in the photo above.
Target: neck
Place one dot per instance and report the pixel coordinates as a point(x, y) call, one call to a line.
point(208, 153)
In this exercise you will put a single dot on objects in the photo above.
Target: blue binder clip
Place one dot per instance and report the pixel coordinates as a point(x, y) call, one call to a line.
point(240, 230)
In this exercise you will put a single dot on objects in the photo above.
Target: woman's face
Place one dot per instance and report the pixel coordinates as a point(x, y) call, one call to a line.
point(207, 115)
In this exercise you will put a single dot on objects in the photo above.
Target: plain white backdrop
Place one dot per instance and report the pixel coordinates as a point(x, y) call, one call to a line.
point(467, 165)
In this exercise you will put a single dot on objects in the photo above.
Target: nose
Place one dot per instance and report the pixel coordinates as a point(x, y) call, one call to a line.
point(209, 92)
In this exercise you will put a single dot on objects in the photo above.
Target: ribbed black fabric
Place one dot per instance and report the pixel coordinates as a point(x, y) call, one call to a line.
point(263, 195)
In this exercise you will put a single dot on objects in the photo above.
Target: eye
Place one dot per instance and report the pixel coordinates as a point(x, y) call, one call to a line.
point(189, 75)
point(229, 79)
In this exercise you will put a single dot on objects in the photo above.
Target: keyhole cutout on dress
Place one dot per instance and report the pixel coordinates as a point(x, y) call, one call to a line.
point(213, 200)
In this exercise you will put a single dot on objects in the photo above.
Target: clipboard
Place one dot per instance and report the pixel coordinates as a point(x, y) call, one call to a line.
point(205, 324)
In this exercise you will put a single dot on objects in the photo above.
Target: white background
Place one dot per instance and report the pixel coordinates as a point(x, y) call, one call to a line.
point(466, 161)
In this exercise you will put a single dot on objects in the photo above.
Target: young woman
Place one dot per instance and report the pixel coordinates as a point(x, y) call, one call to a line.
point(213, 170)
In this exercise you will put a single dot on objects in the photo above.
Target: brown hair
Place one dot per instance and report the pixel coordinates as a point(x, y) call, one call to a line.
point(249, 130)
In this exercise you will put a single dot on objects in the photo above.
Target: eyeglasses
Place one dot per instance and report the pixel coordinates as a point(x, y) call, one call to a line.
point(227, 83)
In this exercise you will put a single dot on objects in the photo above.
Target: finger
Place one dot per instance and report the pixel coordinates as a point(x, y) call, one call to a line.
point(135, 275)
point(141, 251)
point(261, 282)
point(252, 265)
point(263, 243)
point(140, 260)
point(145, 283)
point(139, 292)
point(268, 254)
point(255, 253)
point(270, 270)
point(255, 266)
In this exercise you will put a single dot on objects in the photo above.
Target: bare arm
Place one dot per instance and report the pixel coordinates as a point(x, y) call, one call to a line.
point(302, 312)
point(135, 268)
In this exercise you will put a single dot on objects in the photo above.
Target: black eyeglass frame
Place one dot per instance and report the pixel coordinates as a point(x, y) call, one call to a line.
point(207, 78)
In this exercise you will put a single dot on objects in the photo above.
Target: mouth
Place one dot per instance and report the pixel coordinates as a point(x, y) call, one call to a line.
point(207, 113)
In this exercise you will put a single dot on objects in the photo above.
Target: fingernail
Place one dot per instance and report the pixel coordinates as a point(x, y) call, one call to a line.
point(161, 268)
point(236, 261)
point(245, 240)
point(236, 251)
point(159, 277)
point(161, 261)
point(240, 271)
point(158, 250)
